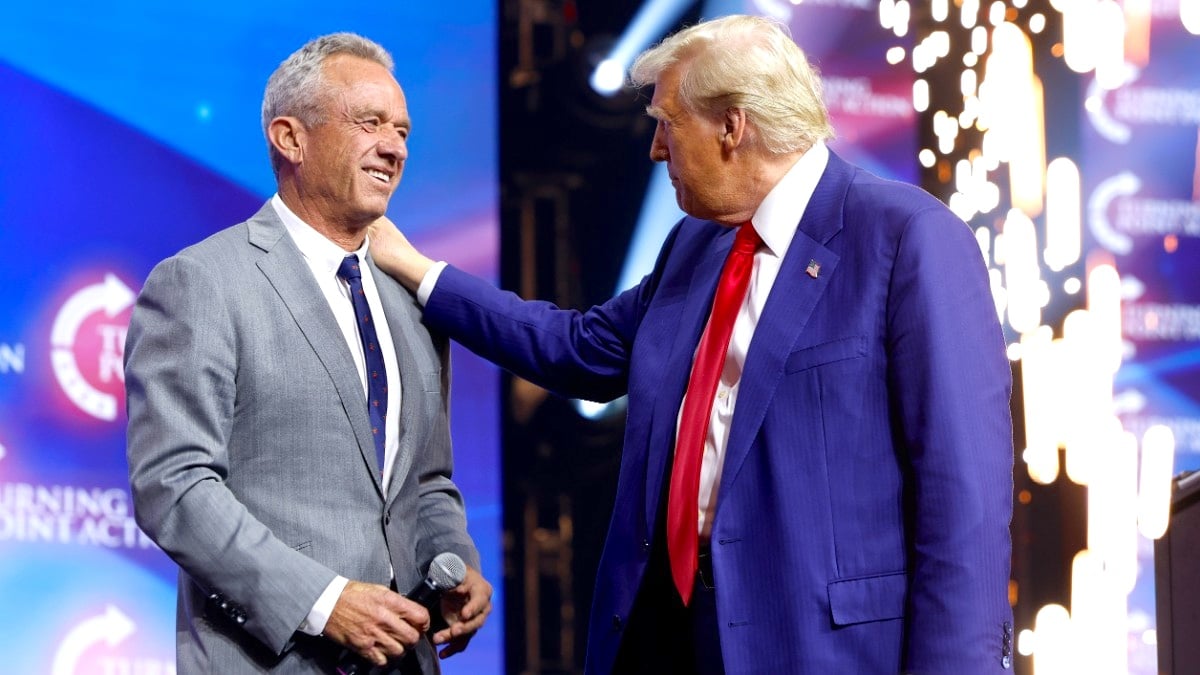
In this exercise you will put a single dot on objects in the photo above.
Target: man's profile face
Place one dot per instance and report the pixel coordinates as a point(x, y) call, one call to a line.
point(354, 157)
point(690, 143)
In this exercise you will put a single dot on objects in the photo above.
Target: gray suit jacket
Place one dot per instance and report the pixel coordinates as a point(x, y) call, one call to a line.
point(250, 452)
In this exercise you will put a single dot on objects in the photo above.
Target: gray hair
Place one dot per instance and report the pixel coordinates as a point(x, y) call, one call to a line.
point(294, 89)
point(746, 62)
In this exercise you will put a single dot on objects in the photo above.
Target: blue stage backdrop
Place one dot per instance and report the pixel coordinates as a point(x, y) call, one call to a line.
point(128, 131)
point(1141, 176)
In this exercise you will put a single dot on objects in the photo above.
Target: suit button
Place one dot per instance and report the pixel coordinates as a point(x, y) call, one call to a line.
point(616, 622)
point(645, 546)
point(1006, 662)
point(387, 519)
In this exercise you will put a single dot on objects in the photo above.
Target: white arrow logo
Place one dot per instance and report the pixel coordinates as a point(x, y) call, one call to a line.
point(111, 296)
point(1097, 111)
point(111, 627)
point(1124, 184)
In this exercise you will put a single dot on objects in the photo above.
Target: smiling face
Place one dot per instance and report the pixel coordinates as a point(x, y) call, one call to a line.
point(352, 160)
point(690, 143)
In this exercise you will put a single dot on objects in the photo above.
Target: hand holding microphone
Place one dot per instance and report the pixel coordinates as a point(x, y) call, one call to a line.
point(378, 643)
point(465, 610)
point(445, 572)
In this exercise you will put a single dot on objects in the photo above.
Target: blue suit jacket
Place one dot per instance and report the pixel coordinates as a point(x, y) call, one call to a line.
point(863, 515)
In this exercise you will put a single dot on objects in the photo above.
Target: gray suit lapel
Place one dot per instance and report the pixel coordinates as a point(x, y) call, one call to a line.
point(404, 319)
point(289, 275)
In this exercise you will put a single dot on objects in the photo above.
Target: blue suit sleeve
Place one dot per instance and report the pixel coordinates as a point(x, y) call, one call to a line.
point(950, 384)
point(573, 353)
point(577, 354)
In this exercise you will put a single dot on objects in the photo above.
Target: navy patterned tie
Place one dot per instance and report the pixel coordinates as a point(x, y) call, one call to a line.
point(373, 355)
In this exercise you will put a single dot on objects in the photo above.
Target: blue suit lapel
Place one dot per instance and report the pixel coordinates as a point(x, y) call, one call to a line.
point(691, 321)
point(795, 293)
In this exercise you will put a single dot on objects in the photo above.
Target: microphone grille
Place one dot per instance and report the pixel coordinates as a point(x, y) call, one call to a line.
point(447, 571)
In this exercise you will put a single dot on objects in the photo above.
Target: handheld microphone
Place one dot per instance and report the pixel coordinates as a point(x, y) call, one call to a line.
point(445, 572)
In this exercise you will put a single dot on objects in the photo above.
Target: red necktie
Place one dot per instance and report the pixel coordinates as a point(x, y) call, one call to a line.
point(683, 500)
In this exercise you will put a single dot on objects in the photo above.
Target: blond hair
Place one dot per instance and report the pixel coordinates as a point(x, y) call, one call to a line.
point(745, 62)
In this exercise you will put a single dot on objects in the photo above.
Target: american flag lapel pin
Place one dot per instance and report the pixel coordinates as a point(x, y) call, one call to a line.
point(813, 269)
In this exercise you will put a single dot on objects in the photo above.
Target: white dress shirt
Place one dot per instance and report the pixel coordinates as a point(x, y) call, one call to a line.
point(775, 221)
point(323, 258)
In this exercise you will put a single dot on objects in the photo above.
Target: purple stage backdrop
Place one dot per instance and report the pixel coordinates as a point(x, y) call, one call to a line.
point(1142, 211)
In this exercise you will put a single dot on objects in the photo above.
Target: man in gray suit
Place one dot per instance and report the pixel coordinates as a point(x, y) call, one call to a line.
point(251, 366)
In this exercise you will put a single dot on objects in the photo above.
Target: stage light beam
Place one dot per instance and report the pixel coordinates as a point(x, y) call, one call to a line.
point(651, 22)
point(608, 77)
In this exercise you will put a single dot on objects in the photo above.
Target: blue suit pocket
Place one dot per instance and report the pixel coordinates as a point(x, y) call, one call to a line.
point(827, 352)
point(876, 598)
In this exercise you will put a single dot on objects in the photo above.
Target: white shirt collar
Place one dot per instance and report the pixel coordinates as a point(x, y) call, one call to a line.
point(314, 246)
point(779, 214)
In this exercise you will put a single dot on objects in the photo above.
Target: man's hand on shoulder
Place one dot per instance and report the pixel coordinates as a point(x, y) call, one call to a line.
point(375, 622)
point(464, 607)
point(394, 254)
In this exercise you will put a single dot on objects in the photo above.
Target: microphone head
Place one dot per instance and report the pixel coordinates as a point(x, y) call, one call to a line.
point(446, 571)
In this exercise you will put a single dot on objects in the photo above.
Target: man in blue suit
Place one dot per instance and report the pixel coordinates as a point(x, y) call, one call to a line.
point(850, 512)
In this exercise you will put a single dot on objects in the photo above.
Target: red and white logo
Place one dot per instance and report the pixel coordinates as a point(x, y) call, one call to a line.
point(87, 343)
point(110, 629)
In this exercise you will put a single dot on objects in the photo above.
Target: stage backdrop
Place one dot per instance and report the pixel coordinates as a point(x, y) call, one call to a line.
point(1141, 176)
point(128, 131)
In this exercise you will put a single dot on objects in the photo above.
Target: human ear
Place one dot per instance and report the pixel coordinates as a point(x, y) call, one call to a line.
point(287, 136)
point(733, 128)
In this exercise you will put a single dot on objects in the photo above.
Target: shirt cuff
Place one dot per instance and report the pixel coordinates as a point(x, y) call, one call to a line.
point(318, 616)
point(429, 281)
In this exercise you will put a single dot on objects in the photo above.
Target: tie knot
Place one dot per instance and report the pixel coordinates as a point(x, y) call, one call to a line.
point(747, 239)
point(349, 268)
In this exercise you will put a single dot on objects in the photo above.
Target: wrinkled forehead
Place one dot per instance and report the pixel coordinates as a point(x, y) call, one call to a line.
point(356, 83)
point(666, 87)
point(348, 69)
